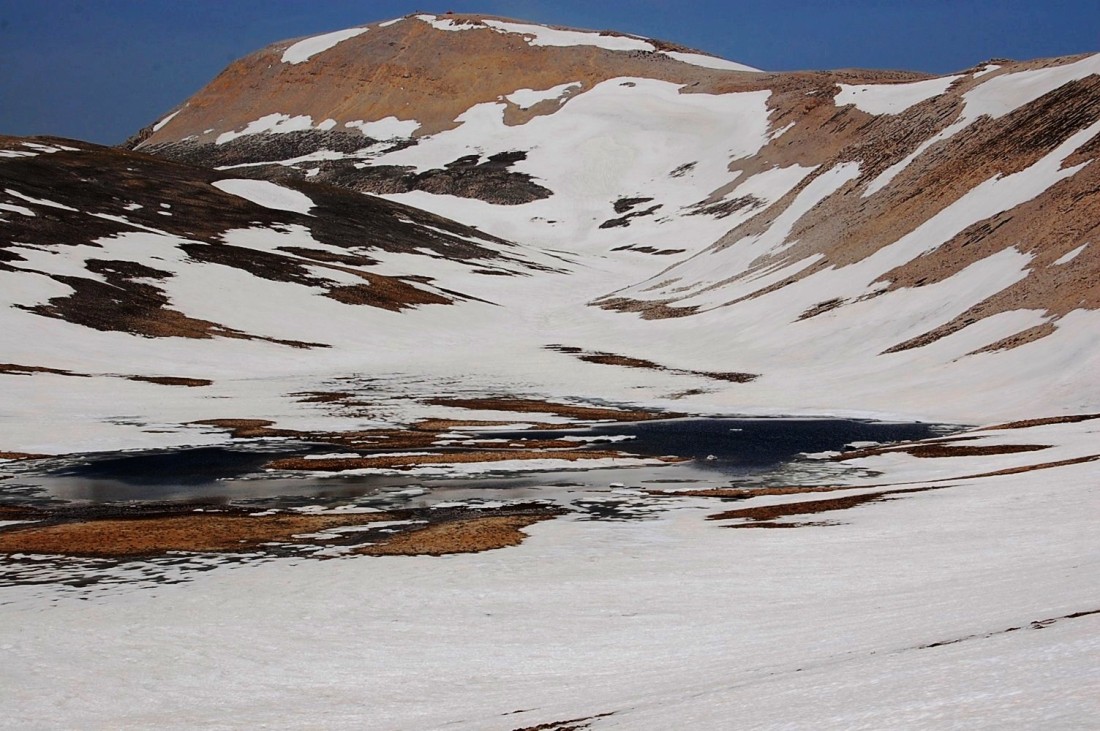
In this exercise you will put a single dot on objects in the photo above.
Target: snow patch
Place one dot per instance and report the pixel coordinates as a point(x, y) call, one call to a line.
point(17, 209)
point(387, 128)
point(891, 98)
point(275, 123)
point(38, 201)
point(157, 127)
point(710, 62)
point(306, 49)
point(527, 98)
point(1070, 256)
point(266, 194)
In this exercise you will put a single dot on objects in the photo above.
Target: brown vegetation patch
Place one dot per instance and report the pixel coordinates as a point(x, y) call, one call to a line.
point(649, 250)
point(942, 450)
point(247, 428)
point(19, 512)
point(136, 531)
point(14, 369)
point(737, 493)
point(443, 425)
point(648, 309)
point(388, 293)
point(625, 361)
point(323, 397)
point(466, 535)
point(172, 381)
point(821, 308)
point(152, 535)
point(14, 456)
point(573, 724)
point(810, 507)
point(534, 406)
point(772, 524)
point(724, 208)
point(1027, 423)
point(1033, 467)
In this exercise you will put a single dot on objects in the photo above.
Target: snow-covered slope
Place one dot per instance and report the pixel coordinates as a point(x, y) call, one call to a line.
point(852, 242)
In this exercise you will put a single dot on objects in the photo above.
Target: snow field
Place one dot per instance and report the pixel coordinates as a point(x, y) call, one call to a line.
point(647, 620)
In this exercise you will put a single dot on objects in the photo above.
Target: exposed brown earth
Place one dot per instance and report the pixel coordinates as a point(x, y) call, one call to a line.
point(136, 532)
point(573, 724)
point(534, 406)
point(247, 428)
point(20, 455)
point(941, 450)
point(1034, 467)
point(468, 535)
point(624, 361)
point(172, 381)
point(196, 532)
point(1027, 423)
point(19, 512)
point(737, 493)
point(15, 369)
point(810, 507)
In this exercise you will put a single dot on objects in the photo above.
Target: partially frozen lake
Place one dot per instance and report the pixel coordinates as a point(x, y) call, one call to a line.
point(721, 451)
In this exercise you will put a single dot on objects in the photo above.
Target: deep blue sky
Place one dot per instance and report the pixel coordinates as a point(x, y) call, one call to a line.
point(100, 69)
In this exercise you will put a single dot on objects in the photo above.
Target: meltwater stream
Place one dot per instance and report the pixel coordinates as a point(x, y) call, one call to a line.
point(722, 451)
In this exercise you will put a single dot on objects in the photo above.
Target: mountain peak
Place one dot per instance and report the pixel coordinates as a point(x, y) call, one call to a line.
point(423, 70)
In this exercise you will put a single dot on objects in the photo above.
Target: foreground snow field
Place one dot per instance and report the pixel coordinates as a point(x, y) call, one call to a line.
point(971, 606)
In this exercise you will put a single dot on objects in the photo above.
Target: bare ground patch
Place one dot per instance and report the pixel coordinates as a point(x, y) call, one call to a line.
point(941, 449)
point(626, 361)
point(194, 532)
point(1028, 423)
point(14, 456)
point(15, 369)
point(741, 493)
point(811, 507)
point(468, 535)
point(136, 532)
point(172, 381)
point(536, 406)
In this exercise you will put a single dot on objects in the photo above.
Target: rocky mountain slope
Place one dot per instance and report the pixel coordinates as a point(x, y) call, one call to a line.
point(841, 242)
